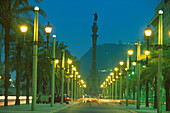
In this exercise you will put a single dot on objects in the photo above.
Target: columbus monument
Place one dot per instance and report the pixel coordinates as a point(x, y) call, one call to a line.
point(94, 88)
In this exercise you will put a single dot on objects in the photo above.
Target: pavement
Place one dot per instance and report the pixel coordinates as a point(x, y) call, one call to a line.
point(132, 108)
point(40, 108)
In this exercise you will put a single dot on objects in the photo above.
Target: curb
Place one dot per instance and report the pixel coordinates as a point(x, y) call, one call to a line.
point(64, 107)
point(128, 110)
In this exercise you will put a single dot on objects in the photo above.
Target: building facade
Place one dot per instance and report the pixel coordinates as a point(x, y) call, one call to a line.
point(165, 6)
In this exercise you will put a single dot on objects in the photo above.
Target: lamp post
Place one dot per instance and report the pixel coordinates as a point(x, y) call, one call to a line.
point(109, 86)
point(24, 29)
point(35, 50)
point(133, 73)
point(106, 86)
point(74, 82)
point(62, 72)
point(48, 30)
point(78, 78)
point(113, 85)
point(53, 73)
point(68, 78)
point(138, 75)
point(148, 33)
point(160, 77)
point(112, 76)
point(130, 52)
point(116, 69)
point(121, 63)
point(71, 76)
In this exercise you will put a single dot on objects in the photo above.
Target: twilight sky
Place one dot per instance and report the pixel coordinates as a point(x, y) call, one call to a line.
point(117, 20)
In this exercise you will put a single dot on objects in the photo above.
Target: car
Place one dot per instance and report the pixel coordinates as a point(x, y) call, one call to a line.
point(57, 98)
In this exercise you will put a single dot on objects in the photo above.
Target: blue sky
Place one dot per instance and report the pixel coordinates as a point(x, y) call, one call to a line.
point(117, 20)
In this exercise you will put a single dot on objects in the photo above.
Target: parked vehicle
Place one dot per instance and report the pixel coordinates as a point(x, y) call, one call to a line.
point(43, 99)
point(57, 98)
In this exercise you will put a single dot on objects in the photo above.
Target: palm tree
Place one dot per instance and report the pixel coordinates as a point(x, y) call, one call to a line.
point(9, 10)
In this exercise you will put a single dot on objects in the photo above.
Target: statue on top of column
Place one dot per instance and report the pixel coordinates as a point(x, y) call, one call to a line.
point(95, 16)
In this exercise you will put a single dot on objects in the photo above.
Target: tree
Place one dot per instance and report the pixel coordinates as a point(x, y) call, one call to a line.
point(9, 10)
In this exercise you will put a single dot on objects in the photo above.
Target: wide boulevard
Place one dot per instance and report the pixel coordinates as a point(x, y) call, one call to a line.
point(94, 107)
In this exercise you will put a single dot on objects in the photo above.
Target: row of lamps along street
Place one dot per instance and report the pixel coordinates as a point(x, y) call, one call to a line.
point(109, 84)
point(77, 84)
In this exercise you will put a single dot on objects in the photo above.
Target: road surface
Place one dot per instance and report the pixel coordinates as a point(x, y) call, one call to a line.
point(94, 107)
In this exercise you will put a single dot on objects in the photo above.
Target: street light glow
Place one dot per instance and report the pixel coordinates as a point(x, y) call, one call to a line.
point(108, 77)
point(69, 61)
point(54, 36)
point(148, 32)
point(130, 52)
point(113, 79)
point(111, 73)
point(23, 28)
point(120, 73)
point(74, 68)
point(121, 62)
point(134, 63)
point(48, 28)
point(126, 69)
point(116, 68)
point(160, 12)
point(36, 8)
point(79, 76)
point(77, 73)
point(56, 61)
point(84, 85)
point(71, 76)
point(147, 52)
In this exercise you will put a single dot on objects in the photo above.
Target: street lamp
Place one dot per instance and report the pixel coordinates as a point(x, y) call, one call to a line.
point(48, 30)
point(23, 28)
point(69, 61)
point(78, 78)
point(130, 53)
point(112, 76)
point(35, 50)
point(148, 31)
point(54, 61)
point(116, 69)
point(121, 63)
point(147, 52)
point(112, 73)
point(71, 76)
point(134, 63)
point(68, 72)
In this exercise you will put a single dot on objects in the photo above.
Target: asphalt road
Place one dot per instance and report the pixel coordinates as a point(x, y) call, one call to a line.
point(94, 107)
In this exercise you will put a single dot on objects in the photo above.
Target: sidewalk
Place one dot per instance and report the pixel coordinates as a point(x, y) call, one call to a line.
point(40, 108)
point(143, 109)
